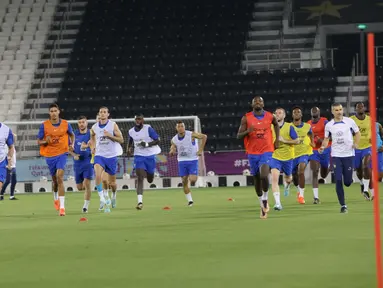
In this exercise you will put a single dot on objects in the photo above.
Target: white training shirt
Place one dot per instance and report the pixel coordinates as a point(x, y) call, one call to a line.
point(187, 147)
point(143, 136)
point(342, 138)
point(104, 146)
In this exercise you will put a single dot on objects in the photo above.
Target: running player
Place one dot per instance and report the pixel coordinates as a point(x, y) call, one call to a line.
point(363, 153)
point(342, 149)
point(302, 152)
point(379, 145)
point(6, 152)
point(282, 159)
point(318, 160)
point(188, 152)
point(54, 146)
point(107, 138)
point(82, 155)
point(11, 176)
point(143, 142)
point(257, 133)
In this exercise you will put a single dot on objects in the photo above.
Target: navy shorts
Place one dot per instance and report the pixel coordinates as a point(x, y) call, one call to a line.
point(301, 159)
point(55, 163)
point(284, 166)
point(186, 168)
point(109, 164)
point(83, 170)
point(148, 163)
point(359, 155)
point(256, 161)
point(380, 162)
point(3, 170)
point(322, 158)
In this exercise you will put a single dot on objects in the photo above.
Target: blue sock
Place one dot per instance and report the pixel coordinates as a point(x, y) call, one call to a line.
point(99, 187)
point(340, 192)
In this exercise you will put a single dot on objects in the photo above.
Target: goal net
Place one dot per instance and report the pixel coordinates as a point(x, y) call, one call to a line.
point(31, 167)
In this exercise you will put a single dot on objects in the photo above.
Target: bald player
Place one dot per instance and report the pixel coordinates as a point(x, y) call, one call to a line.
point(318, 161)
point(257, 133)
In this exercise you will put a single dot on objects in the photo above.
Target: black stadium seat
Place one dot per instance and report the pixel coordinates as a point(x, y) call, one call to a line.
point(178, 57)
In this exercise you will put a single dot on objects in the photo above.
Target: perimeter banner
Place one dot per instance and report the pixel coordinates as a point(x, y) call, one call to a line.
point(222, 163)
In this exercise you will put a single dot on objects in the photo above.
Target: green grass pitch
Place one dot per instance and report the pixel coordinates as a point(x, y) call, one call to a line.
point(216, 243)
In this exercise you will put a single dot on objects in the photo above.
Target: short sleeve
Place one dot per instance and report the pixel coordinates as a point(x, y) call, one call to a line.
point(70, 130)
point(293, 133)
point(354, 127)
point(310, 131)
point(10, 139)
point(152, 133)
point(325, 122)
point(327, 131)
point(41, 133)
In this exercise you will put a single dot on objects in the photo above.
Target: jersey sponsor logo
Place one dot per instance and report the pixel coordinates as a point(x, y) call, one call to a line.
point(339, 139)
point(363, 131)
point(260, 132)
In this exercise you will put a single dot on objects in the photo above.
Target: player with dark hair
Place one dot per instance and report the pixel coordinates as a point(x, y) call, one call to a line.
point(282, 158)
point(106, 137)
point(257, 133)
point(143, 142)
point(53, 138)
point(341, 129)
point(83, 168)
point(363, 153)
point(185, 144)
point(11, 177)
point(318, 160)
point(302, 151)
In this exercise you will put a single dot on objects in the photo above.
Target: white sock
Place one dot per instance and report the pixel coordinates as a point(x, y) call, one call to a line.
point(189, 197)
point(316, 192)
point(56, 195)
point(106, 194)
point(62, 201)
point(101, 194)
point(139, 198)
point(301, 192)
point(287, 186)
point(266, 195)
point(366, 183)
point(260, 198)
point(372, 192)
point(277, 197)
point(361, 181)
point(114, 195)
point(86, 204)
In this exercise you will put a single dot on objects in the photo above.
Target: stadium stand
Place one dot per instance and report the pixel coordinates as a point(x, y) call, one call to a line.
point(24, 28)
point(169, 60)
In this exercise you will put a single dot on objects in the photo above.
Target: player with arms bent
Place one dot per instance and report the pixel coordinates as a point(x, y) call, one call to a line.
point(83, 169)
point(363, 152)
point(53, 138)
point(6, 152)
point(106, 137)
point(188, 152)
point(318, 160)
point(256, 131)
point(302, 151)
point(282, 159)
point(342, 149)
point(144, 140)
